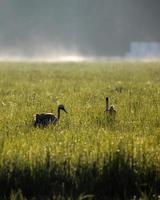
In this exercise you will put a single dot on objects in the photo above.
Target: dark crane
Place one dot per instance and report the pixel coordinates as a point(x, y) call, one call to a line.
point(111, 111)
point(45, 119)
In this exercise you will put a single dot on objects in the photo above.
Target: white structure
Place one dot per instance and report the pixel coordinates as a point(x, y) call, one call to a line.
point(144, 50)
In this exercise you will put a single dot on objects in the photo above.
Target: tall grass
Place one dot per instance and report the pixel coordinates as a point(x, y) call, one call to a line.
point(85, 153)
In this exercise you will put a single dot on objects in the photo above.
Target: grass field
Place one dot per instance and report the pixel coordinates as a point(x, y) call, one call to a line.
point(86, 155)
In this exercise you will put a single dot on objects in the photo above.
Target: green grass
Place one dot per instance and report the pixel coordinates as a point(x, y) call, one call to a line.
point(85, 153)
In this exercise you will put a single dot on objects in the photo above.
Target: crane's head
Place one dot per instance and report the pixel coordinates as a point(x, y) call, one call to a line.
point(61, 107)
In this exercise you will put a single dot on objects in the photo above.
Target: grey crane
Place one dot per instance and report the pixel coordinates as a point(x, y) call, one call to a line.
point(45, 119)
point(110, 110)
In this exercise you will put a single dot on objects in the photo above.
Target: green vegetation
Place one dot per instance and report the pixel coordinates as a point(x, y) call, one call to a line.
point(86, 155)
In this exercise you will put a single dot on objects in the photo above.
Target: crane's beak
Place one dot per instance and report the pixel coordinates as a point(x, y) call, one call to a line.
point(64, 110)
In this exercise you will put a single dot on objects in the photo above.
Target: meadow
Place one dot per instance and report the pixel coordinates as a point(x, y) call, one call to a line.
point(86, 155)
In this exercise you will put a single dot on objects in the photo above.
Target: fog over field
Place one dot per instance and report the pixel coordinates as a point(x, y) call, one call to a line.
point(75, 29)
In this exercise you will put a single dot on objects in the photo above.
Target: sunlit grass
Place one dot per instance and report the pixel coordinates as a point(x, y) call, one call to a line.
point(85, 135)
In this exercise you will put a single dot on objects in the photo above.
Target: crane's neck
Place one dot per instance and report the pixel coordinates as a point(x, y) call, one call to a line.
point(107, 104)
point(59, 113)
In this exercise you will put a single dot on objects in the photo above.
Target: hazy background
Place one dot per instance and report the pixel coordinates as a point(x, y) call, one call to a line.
point(33, 28)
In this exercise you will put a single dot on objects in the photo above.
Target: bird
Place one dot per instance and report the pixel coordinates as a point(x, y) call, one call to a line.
point(111, 110)
point(44, 119)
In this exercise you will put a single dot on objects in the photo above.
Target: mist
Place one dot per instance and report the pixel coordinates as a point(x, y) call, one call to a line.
point(75, 29)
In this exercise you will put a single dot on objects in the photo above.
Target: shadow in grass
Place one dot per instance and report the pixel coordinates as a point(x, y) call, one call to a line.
point(118, 178)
